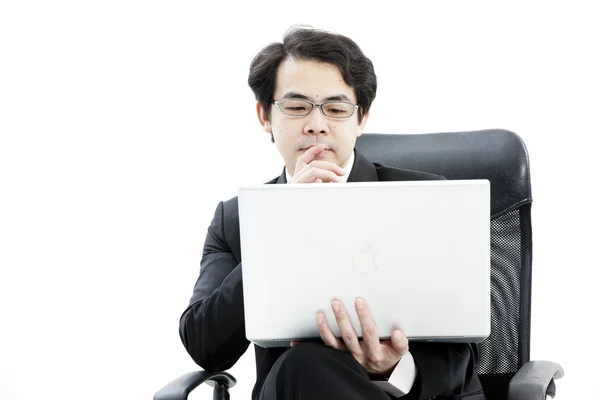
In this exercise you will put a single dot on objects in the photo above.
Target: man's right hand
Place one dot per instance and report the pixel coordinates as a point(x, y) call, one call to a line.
point(308, 170)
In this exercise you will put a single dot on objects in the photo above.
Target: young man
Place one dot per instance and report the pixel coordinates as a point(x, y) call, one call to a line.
point(314, 92)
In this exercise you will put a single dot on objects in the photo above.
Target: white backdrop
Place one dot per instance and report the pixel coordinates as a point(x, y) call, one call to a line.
point(123, 123)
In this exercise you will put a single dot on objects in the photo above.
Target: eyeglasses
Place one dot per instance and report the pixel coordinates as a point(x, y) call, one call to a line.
point(330, 109)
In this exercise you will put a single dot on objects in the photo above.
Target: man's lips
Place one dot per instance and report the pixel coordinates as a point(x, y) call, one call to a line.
point(313, 145)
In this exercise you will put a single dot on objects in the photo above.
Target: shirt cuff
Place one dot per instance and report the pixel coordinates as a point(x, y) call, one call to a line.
point(402, 378)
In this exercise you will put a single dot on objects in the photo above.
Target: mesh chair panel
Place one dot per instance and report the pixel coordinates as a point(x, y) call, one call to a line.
point(507, 347)
point(505, 292)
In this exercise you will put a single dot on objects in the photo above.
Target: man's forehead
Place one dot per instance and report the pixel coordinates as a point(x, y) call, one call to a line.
point(300, 96)
point(312, 80)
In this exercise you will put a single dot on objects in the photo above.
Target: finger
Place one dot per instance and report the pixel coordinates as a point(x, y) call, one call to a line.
point(327, 165)
point(346, 329)
point(309, 155)
point(306, 158)
point(294, 343)
point(302, 169)
point(312, 174)
point(327, 335)
point(319, 180)
point(370, 333)
point(399, 342)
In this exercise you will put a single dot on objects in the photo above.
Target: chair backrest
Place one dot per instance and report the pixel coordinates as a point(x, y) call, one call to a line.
point(501, 157)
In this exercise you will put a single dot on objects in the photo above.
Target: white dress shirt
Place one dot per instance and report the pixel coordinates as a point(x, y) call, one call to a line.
point(403, 376)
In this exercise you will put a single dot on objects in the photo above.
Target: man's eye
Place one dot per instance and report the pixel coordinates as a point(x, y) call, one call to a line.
point(297, 109)
point(333, 110)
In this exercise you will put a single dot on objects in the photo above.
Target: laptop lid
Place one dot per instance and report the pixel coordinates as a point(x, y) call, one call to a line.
point(418, 252)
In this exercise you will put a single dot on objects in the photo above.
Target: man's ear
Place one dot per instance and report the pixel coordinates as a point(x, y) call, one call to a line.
point(363, 124)
point(263, 118)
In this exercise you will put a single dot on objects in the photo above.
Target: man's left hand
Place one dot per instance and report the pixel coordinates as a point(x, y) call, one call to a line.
point(377, 357)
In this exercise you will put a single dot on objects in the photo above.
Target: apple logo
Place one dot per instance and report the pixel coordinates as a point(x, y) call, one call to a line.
point(364, 261)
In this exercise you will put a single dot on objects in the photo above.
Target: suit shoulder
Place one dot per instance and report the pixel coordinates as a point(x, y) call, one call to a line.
point(224, 228)
point(386, 173)
point(230, 207)
point(230, 211)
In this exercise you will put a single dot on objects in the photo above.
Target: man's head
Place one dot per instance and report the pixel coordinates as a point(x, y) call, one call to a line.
point(315, 67)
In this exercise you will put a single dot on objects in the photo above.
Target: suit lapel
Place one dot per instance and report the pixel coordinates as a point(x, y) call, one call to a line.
point(363, 170)
point(282, 178)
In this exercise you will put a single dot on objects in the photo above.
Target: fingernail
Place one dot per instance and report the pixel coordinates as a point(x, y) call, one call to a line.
point(397, 338)
point(335, 305)
point(359, 304)
point(319, 319)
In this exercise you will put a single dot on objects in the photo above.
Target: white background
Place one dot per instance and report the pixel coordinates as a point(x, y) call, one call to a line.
point(123, 123)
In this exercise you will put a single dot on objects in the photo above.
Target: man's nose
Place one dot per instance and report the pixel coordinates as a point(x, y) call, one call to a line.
point(316, 122)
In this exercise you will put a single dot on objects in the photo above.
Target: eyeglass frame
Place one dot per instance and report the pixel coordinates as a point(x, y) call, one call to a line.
point(313, 105)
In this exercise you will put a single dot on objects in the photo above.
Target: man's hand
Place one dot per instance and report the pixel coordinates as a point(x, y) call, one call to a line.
point(377, 358)
point(310, 171)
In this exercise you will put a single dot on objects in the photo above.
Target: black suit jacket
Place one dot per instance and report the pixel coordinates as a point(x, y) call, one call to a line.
point(212, 327)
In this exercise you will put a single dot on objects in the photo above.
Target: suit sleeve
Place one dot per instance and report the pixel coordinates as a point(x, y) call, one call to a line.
point(444, 369)
point(212, 327)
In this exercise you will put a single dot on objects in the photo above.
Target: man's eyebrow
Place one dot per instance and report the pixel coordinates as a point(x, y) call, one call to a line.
point(338, 97)
point(299, 96)
point(294, 95)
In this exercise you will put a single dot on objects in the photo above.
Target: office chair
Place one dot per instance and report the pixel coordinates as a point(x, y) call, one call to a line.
point(500, 156)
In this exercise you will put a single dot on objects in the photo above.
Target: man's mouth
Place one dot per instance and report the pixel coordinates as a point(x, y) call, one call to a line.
point(313, 145)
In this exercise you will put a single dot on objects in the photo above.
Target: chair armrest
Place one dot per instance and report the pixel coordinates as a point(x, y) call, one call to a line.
point(182, 386)
point(534, 380)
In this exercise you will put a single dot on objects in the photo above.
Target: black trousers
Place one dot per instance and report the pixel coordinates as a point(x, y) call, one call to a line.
point(313, 371)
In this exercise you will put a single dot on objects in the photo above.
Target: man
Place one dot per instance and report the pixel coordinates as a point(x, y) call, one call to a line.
point(314, 92)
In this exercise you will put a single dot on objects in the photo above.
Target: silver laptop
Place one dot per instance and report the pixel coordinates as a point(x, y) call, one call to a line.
point(418, 252)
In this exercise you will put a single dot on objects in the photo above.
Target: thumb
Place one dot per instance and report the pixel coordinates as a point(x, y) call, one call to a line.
point(399, 343)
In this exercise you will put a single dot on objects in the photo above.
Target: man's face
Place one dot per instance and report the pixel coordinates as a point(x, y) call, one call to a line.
point(318, 83)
